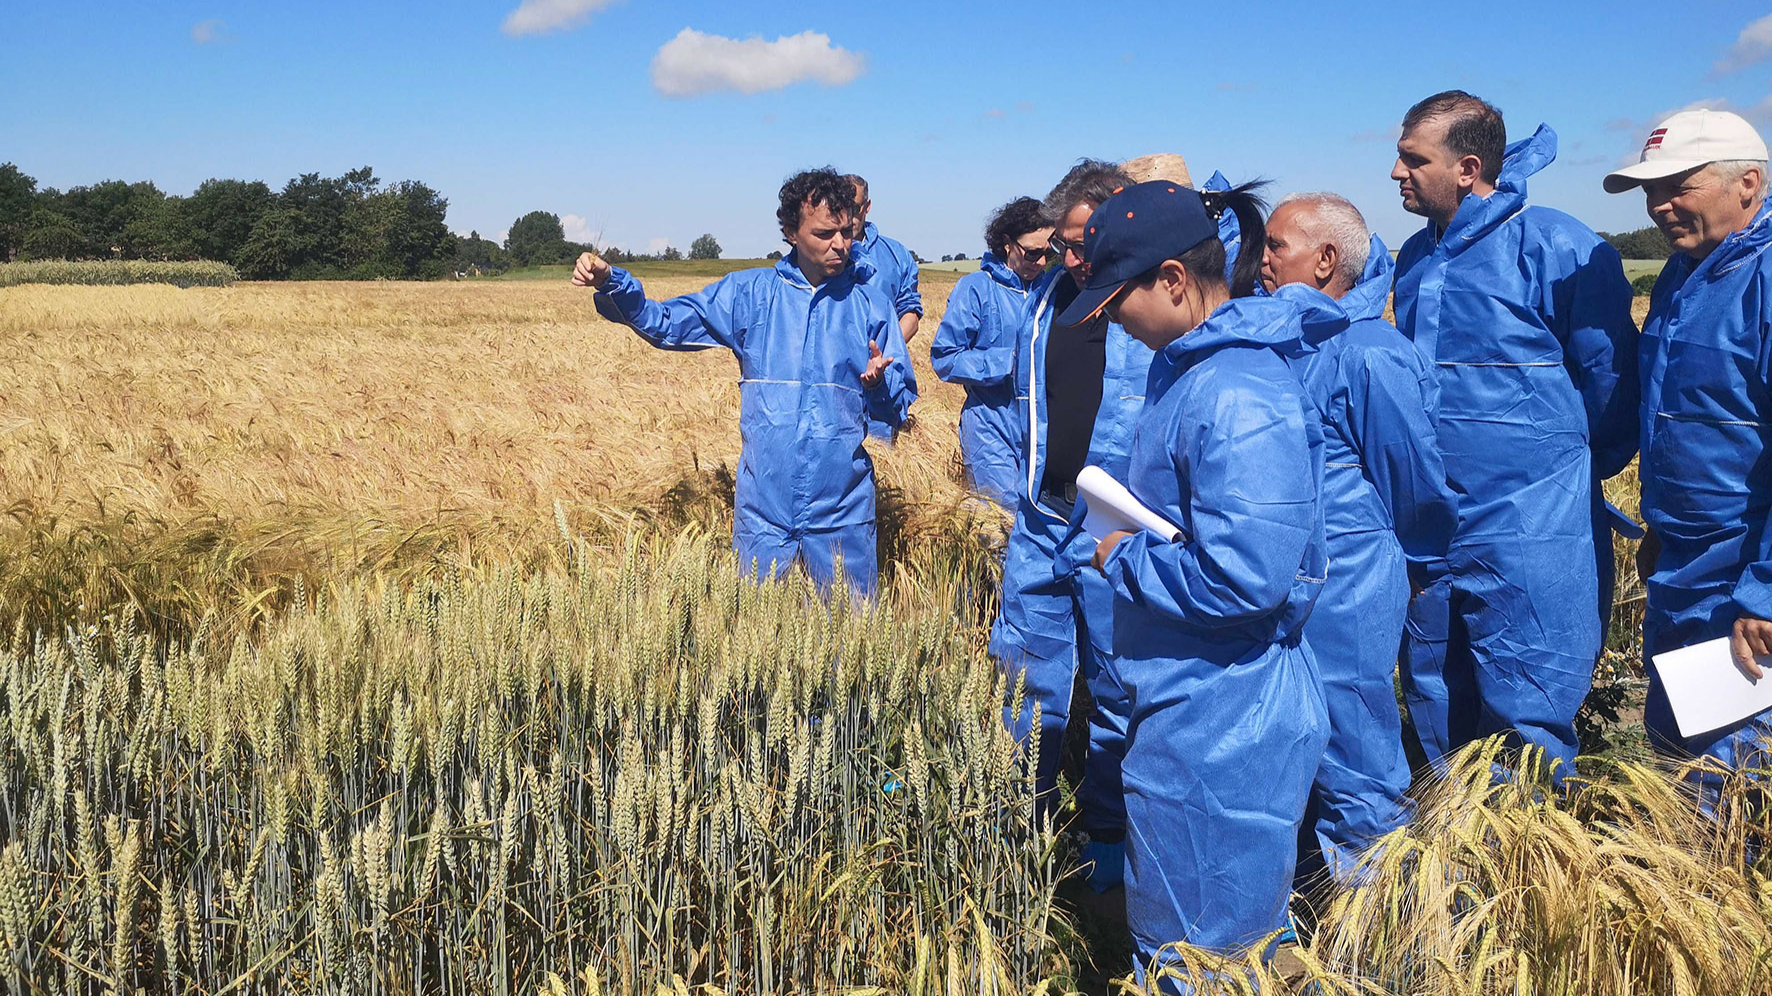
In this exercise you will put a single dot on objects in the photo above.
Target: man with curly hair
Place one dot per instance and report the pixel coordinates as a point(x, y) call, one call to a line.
point(821, 365)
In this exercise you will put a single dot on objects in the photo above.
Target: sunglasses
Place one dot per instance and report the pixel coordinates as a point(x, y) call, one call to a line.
point(1060, 247)
point(1036, 254)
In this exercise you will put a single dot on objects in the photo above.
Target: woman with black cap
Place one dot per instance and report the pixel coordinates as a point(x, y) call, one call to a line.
point(1227, 721)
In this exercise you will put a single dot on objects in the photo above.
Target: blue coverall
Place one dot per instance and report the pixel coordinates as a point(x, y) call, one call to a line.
point(805, 489)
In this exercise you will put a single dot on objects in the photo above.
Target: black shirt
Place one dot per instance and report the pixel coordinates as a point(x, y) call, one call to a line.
point(1076, 362)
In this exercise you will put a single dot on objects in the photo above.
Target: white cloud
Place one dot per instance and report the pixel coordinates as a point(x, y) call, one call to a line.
point(695, 63)
point(1752, 48)
point(577, 229)
point(534, 17)
point(657, 244)
point(210, 31)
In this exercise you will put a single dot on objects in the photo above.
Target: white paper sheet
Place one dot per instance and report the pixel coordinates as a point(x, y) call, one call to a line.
point(1108, 506)
point(1706, 689)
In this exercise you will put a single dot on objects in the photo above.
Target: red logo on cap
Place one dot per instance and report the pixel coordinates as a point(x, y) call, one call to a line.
point(1655, 138)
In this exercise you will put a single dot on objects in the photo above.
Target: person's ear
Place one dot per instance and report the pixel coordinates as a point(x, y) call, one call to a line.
point(1751, 181)
point(1327, 259)
point(1175, 280)
point(1470, 170)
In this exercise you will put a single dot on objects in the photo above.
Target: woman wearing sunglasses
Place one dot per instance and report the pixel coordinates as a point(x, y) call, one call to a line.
point(975, 345)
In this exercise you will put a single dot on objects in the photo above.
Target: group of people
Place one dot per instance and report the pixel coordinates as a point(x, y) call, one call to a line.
point(1347, 493)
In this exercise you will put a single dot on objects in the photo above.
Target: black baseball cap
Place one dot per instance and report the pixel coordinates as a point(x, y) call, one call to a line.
point(1132, 233)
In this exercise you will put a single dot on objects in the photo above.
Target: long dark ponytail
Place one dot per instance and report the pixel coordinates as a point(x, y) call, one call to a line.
point(1207, 260)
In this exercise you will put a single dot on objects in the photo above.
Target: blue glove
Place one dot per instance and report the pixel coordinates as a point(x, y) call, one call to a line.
point(1106, 861)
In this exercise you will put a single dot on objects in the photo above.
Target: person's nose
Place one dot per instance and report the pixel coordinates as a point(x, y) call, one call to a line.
point(1399, 172)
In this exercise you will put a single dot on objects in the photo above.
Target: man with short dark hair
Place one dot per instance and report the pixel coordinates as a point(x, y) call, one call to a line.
point(821, 364)
point(1525, 315)
point(895, 269)
point(1706, 364)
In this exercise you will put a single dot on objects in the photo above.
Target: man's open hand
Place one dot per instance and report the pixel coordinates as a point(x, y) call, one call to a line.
point(1751, 638)
point(590, 271)
point(877, 364)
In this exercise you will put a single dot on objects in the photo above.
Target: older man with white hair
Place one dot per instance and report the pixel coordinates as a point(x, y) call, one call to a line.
point(1706, 367)
point(1385, 503)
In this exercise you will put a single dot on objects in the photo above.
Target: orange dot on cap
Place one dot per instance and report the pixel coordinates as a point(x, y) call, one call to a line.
point(1092, 231)
point(1172, 190)
point(1118, 189)
point(1129, 214)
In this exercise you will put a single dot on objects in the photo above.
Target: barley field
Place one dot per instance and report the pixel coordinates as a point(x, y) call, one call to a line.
point(383, 638)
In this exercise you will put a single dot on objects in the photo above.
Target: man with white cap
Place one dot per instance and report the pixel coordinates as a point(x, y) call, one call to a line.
point(1706, 366)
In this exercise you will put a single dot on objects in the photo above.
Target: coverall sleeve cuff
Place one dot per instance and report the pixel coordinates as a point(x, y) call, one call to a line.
point(620, 286)
point(1753, 593)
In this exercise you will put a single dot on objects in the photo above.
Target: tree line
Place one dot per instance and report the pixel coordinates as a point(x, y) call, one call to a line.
point(1644, 243)
point(352, 227)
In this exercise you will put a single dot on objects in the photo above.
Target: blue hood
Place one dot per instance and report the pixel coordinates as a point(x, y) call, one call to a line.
point(1261, 321)
point(1000, 271)
point(1743, 245)
point(1323, 316)
point(1478, 216)
point(858, 270)
point(1368, 297)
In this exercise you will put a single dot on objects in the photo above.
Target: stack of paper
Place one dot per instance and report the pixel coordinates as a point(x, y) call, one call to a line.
point(1707, 691)
point(1109, 507)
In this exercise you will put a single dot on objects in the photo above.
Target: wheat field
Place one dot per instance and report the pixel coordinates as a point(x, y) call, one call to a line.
point(383, 638)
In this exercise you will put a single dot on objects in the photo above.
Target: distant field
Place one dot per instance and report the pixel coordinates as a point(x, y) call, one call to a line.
point(943, 272)
point(1634, 268)
point(673, 268)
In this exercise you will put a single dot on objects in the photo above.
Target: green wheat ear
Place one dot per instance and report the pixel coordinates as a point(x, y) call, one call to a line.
point(618, 767)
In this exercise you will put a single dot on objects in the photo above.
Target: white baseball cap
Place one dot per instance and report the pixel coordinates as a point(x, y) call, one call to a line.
point(1688, 140)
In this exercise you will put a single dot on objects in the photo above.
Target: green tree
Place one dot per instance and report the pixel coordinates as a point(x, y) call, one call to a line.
point(18, 199)
point(221, 214)
point(671, 253)
point(1643, 243)
point(50, 235)
point(481, 254)
point(274, 248)
point(308, 235)
point(102, 212)
point(535, 239)
point(414, 233)
point(704, 247)
point(160, 232)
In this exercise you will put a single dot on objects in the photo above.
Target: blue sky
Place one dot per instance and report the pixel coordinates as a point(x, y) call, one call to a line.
point(949, 109)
